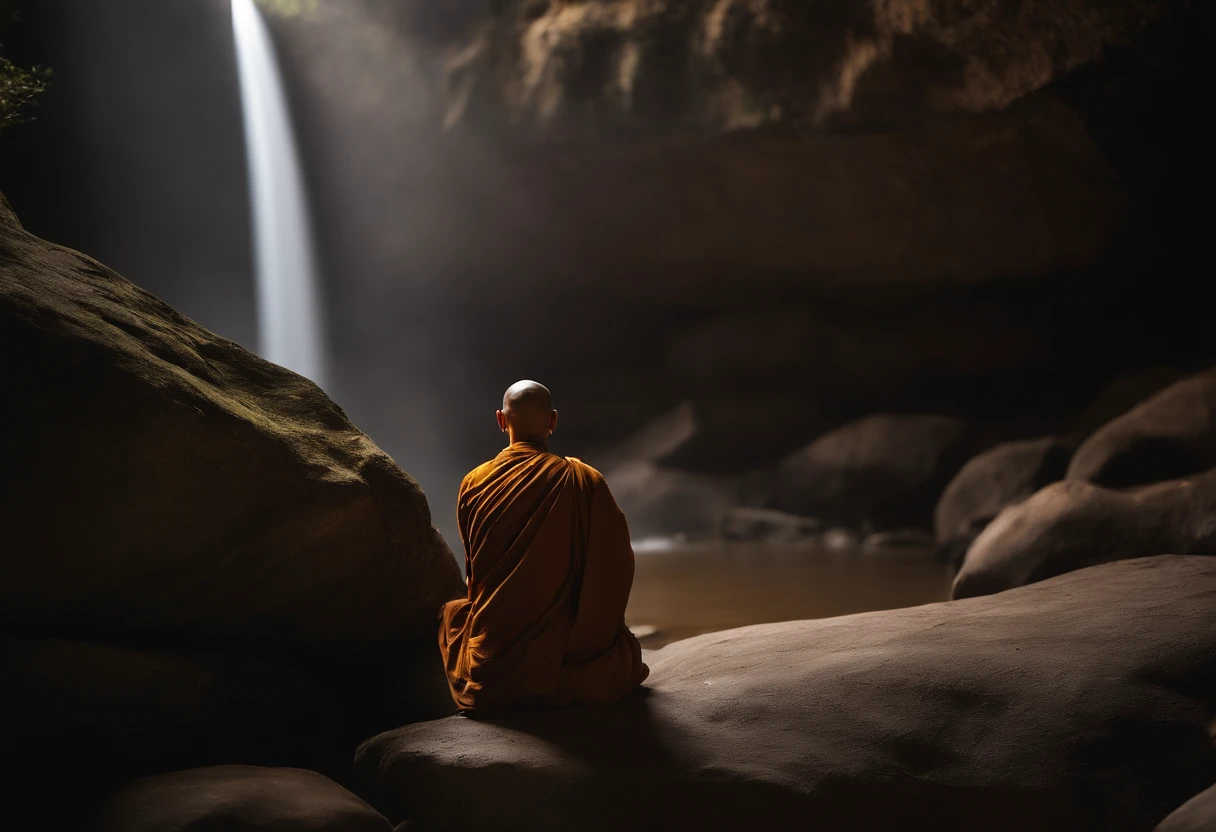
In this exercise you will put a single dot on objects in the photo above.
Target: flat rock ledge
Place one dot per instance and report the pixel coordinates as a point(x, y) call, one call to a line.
point(1081, 702)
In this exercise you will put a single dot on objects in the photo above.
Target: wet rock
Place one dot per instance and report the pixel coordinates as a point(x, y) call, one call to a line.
point(742, 523)
point(998, 477)
point(1196, 815)
point(884, 471)
point(174, 484)
point(1087, 711)
point(1170, 435)
point(238, 798)
point(83, 718)
point(1074, 524)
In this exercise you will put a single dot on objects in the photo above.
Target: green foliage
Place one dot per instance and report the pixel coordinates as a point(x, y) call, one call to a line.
point(18, 86)
point(18, 89)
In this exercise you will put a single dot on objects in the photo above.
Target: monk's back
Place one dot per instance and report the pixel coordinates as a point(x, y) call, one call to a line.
point(549, 570)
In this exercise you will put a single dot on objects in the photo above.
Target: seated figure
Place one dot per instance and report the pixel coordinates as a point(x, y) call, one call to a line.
point(549, 569)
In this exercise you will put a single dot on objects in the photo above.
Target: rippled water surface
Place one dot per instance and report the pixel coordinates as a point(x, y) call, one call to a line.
point(683, 591)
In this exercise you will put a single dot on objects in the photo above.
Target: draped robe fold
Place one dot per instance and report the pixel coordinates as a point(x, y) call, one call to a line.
point(549, 569)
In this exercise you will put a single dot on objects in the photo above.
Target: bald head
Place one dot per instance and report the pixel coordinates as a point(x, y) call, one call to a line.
point(527, 412)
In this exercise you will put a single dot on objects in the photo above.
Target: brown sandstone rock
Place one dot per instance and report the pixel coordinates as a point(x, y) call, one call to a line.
point(1074, 524)
point(1000, 476)
point(885, 471)
point(1170, 435)
point(238, 799)
point(166, 481)
point(735, 63)
point(1079, 703)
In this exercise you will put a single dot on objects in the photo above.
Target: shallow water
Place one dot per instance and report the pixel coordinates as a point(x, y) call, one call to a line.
point(686, 590)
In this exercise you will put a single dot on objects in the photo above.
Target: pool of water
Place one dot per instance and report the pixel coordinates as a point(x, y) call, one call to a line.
point(685, 590)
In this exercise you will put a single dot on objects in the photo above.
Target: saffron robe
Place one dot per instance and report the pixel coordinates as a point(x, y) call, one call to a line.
point(549, 569)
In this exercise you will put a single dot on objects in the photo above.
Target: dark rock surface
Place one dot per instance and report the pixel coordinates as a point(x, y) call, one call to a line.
point(204, 560)
point(168, 481)
point(884, 471)
point(1170, 435)
point(662, 501)
point(1196, 815)
point(1117, 397)
point(659, 499)
point(1078, 703)
point(732, 63)
point(238, 799)
point(998, 477)
point(81, 719)
point(1074, 524)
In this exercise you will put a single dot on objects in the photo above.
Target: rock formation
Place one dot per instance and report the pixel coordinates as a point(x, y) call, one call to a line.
point(238, 799)
point(883, 472)
point(174, 486)
point(1170, 435)
point(744, 63)
point(1118, 396)
point(1000, 476)
point(204, 560)
point(1078, 703)
point(1074, 524)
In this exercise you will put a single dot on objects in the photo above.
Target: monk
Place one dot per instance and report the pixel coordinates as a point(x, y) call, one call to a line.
point(549, 570)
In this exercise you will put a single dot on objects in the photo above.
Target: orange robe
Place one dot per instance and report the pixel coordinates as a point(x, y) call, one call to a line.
point(549, 570)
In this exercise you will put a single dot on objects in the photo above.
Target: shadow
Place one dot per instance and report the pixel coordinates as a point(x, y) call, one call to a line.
point(596, 741)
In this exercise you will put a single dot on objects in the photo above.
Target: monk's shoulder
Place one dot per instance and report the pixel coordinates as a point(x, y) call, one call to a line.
point(591, 475)
point(584, 468)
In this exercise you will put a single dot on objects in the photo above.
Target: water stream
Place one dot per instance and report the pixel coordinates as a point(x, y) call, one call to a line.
point(291, 329)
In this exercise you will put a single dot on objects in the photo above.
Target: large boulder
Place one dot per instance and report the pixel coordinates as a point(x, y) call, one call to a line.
point(1170, 435)
point(1000, 476)
point(1196, 815)
point(169, 482)
point(1118, 396)
point(80, 719)
point(1079, 703)
point(884, 471)
point(238, 799)
point(659, 501)
point(1074, 524)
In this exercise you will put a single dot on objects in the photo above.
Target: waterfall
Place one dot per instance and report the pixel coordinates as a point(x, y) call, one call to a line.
point(290, 327)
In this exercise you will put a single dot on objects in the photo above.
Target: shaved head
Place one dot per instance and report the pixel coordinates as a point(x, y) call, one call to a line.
point(527, 408)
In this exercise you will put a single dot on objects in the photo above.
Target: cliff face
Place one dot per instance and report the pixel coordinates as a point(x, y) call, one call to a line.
point(743, 63)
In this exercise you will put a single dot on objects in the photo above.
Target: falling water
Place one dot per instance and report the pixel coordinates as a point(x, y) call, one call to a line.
point(289, 314)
